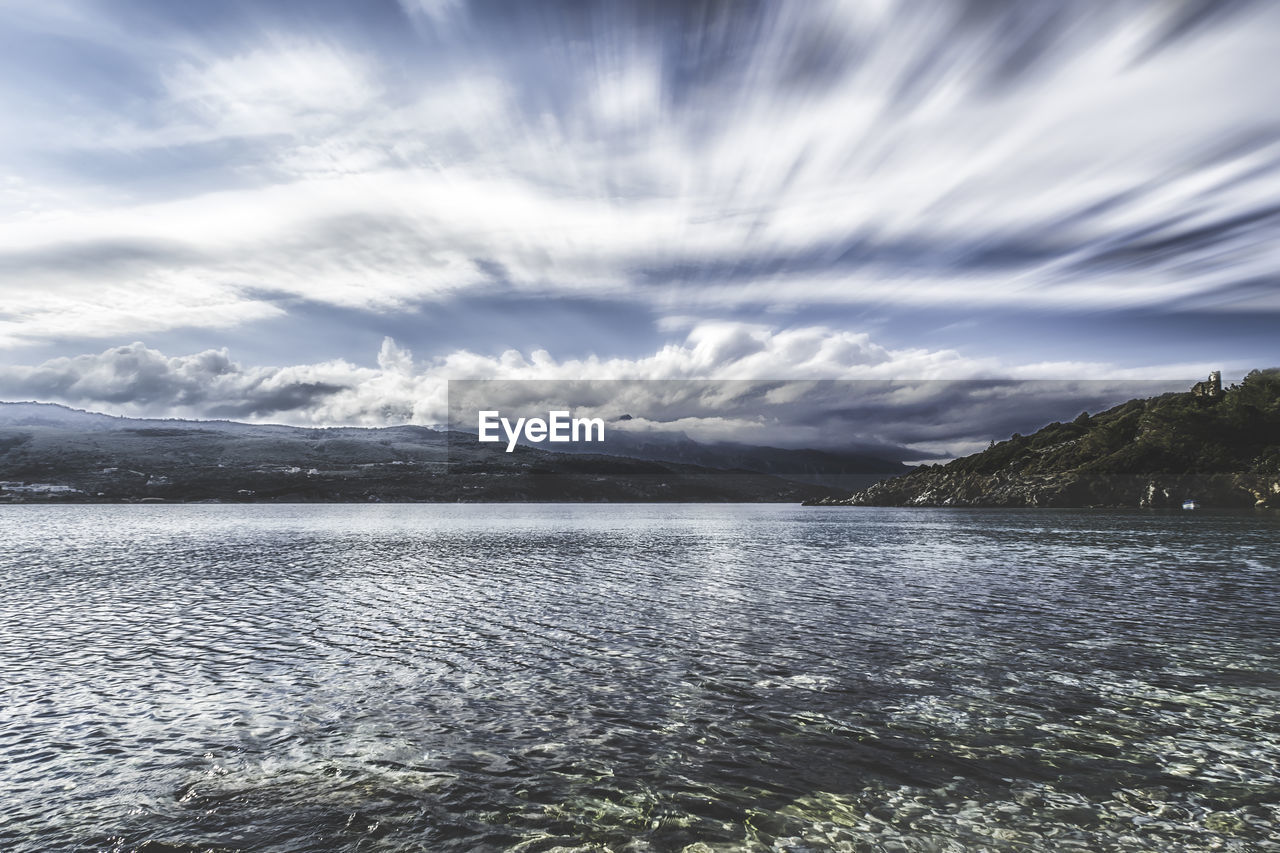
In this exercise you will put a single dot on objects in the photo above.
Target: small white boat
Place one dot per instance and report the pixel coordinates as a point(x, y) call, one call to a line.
point(1190, 504)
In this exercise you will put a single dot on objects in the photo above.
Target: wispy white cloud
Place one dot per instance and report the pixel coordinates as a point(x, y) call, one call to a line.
point(290, 89)
point(1042, 156)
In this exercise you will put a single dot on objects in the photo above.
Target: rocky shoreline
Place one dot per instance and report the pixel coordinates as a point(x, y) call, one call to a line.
point(946, 489)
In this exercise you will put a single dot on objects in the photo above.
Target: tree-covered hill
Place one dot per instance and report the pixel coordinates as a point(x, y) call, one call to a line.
point(1219, 447)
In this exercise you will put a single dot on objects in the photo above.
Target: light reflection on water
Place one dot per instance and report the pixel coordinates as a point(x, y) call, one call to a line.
point(637, 678)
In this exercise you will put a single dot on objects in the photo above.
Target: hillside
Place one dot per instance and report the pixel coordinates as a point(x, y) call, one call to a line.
point(1218, 447)
point(51, 453)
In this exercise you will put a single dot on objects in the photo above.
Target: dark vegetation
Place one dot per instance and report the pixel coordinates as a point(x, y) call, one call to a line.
point(1220, 449)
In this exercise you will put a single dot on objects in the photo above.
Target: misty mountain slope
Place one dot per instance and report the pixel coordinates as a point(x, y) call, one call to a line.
point(1220, 449)
point(57, 416)
point(53, 453)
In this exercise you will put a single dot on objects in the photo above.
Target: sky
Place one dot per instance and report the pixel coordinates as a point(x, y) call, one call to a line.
point(315, 212)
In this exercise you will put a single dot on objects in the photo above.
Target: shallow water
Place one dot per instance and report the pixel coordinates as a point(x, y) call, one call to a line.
point(667, 678)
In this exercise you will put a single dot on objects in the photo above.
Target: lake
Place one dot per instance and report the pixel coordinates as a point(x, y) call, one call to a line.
point(637, 678)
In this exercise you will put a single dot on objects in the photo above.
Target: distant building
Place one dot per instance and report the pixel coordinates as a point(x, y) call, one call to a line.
point(1211, 387)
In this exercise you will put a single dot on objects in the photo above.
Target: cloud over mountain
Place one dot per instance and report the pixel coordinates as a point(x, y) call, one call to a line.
point(809, 386)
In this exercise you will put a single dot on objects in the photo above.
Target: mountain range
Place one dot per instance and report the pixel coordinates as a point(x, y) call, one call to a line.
point(50, 452)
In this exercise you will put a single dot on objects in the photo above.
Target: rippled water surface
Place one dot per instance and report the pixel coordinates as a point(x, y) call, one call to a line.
point(666, 678)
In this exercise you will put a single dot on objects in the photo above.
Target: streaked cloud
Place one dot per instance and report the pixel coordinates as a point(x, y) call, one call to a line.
point(706, 162)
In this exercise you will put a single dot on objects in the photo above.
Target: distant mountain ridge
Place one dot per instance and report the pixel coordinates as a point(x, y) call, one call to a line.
point(65, 417)
point(53, 452)
point(57, 415)
point(1218, 447)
